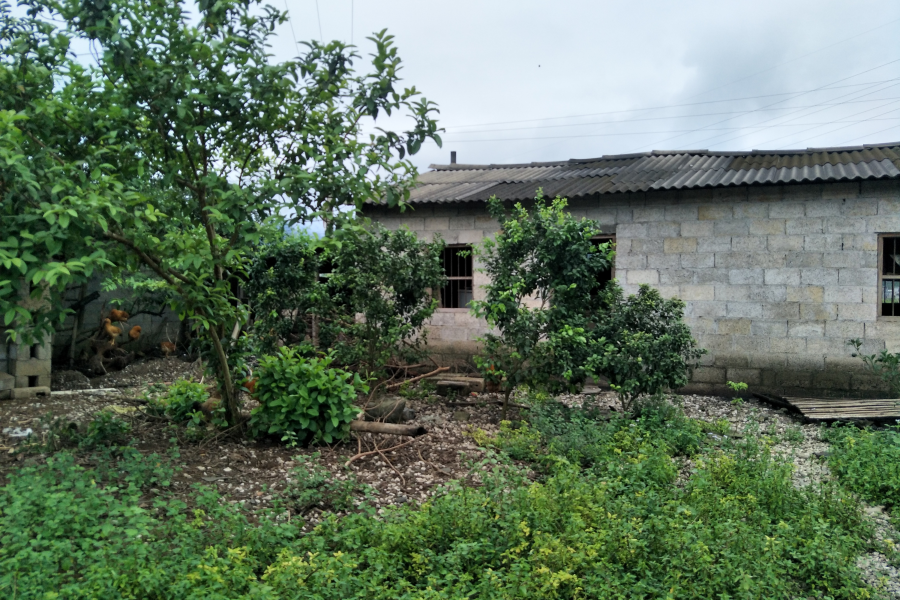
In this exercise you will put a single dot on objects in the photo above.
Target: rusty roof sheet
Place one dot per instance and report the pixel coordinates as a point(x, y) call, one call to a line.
point(657, 170)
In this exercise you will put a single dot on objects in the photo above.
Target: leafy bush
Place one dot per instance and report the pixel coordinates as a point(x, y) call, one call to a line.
point(518, 440)
point(544, 273)
point(312, 290)
point(642, 344)
point(885, 365)
point(180, 400)
point(304, 399)
point(868, 462)
point(311, 484)
point(104, 429)
point(611, 525)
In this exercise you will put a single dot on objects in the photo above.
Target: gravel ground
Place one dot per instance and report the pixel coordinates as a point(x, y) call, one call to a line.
point(254, 472)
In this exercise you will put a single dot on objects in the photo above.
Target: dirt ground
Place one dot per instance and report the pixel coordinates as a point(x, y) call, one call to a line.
point(253, 471)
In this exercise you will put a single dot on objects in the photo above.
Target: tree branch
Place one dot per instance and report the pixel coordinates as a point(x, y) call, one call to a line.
point(166, 274)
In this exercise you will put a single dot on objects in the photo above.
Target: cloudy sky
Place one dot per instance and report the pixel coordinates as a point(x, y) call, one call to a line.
point(536, 81)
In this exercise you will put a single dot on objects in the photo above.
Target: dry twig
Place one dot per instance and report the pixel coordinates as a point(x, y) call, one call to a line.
point(378, 451)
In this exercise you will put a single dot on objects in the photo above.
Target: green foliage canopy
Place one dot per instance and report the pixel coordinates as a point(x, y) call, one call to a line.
point(364, 292)
point(544, 272)
point(557, 323)
point(179, 148)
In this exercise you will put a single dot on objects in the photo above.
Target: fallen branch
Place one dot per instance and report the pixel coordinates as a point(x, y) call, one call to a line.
point(500, 402)
point(390, 428)
point(378, 451)
point(414, 379)
point(391, 465)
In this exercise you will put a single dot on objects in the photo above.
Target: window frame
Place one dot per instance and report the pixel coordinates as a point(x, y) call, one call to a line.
point(608, 237)
point(449, 278)
point(881, 278)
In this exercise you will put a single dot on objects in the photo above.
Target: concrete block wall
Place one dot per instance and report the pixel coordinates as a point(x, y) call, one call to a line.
point(28, 365)
point(775, 279)
point(154, 329)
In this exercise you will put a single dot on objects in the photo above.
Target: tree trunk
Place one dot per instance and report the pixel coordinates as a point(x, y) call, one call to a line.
point(506, 396)
point(392, 428)
point(232, 412)
point(79, 317)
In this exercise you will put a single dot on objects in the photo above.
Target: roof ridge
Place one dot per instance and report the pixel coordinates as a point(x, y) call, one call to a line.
point(574, 161)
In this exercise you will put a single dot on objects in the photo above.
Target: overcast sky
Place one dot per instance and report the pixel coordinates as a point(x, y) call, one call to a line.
point(513, 79)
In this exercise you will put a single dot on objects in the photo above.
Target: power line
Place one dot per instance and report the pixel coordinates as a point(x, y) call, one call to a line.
point(772, 68)
point(319, 18)
point(716, 137)
point(291, 23)
point(655, 144)
point(634, 133)
point(810, 114)
point(352, 2)
point(730, 112)
point(846, 126)
point(630, 110)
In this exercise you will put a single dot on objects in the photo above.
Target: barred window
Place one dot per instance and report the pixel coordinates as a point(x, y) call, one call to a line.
point(890, 276)
point(457, 292)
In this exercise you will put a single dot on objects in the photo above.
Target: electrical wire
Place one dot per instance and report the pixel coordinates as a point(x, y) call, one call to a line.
point(730, 112)
point(856, 94)
point(291, 23)
point(635, 133)
point(319, 18)
point(781, 64)
point(655, 144)
point(813, 113)
point(663, 107)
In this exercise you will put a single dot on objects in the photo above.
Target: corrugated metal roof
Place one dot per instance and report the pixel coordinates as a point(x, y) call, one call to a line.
point(657, 170)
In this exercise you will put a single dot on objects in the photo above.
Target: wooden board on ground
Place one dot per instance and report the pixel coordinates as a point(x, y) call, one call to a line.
point(838, 409)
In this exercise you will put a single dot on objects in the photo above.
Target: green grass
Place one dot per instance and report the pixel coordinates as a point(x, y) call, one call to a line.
point(604, 520)
point(867, 461)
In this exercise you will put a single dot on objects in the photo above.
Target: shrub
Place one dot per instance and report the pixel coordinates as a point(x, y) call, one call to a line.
point(868, 462)
point(641, 344)
point(104, 429)
point(311, 484)
point(181, 400)
point(885, 365)
point(544, 271)
point(304, 399)
point(308, 289)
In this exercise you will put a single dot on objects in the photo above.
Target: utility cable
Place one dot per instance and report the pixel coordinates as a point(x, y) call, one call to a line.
point(669, 118)
point(854, 94)
point(663, 107)
point(781, 64)
point(634, 133)
point(291, 23)
point(319, 19)
point(656, 144)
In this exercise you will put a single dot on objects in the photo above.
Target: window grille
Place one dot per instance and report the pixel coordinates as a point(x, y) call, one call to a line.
point(457, 291)
point(890, 276)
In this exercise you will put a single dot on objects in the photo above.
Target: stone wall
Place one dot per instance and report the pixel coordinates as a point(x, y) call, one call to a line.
point(776, 279)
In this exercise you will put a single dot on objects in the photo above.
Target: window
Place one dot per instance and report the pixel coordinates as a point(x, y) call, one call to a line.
point(607, 275)
point(457, 292)
point(890, 276)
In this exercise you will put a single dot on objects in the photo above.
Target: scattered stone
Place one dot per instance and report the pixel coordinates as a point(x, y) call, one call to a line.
point(391, 410)
point(69, 380)
point(18, 433)
point(460, 416)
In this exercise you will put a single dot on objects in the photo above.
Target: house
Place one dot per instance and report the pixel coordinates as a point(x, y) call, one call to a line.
point(780, 256)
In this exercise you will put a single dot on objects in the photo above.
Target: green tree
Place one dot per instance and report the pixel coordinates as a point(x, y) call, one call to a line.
point(641, 344)
point(364, 292)
point(179, 148)
point(542, 298)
